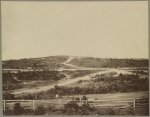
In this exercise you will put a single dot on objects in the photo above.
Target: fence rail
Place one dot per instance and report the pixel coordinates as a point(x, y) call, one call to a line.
point(121, 103)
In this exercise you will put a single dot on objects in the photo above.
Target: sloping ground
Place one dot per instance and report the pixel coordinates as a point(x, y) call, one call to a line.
point(52, 62)
point(67, 63)
point(90, 62)
point(65, 82)
point(61, 83)
point(55, 62)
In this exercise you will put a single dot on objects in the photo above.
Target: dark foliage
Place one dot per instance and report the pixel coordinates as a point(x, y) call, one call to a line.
point(45, 63)
point(84, 98)
point(18, 110)
point(8, 96)
point(40, 110)
point(12, 81)
point(32, 75)
point(72, 108)
point(122, 83)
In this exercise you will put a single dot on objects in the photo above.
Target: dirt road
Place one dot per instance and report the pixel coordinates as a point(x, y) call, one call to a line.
point(69, 81)
point(70, 65)
point(61, 83)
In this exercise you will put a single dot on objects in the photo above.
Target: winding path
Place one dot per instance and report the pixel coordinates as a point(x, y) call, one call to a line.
point(70, 81)
point(70, 65)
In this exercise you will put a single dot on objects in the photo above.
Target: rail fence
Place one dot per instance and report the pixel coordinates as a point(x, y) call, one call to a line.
point(58, 103)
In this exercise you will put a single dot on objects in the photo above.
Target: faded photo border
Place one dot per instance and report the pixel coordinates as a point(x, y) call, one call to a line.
point(1, 92)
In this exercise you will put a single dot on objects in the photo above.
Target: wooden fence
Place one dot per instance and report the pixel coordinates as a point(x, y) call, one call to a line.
point(104, 103)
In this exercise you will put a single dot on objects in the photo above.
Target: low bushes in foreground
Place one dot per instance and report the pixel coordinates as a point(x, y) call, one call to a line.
point(72, 108)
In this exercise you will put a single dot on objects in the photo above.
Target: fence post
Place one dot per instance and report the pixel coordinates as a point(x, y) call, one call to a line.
point(4, 103)
point(59, 102)
point(33, 104)
point(80, 100)
point(134, 102)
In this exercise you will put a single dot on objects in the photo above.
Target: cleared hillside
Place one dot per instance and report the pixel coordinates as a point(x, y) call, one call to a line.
point(44, 63)
point(56, 62)
point(91, 62)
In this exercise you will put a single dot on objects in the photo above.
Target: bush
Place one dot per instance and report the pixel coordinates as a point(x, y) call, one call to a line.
point(18, 110)
point(51, 108)
point(84, 98)
point(70, 108)
point(40, 110)
point(73, 108)
point(8, 96)
point(77, 98)
point(86, 109)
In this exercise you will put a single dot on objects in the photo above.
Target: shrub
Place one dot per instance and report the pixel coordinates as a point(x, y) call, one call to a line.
point(84, 98)
point(51, 108)
point(74, 108)
point(18, 110)
point(70, 108)
point(85, 109)
point(77, 98)
point(40, 110)
point(8, 96)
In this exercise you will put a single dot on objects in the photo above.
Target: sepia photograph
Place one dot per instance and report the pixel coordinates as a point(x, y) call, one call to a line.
point(75, 58)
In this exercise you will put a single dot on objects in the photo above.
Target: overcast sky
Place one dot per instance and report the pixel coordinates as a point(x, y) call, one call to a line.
point(99, 29)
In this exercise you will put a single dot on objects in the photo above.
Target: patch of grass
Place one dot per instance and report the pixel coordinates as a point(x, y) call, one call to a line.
point(80, 73)
point(109, 62)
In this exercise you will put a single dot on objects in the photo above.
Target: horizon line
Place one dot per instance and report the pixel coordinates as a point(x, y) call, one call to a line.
point(74, 56)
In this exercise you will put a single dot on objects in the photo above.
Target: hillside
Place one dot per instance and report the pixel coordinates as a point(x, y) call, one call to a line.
point(56, 62)
point(44, 63)
point(79, 76)
point(91, 62)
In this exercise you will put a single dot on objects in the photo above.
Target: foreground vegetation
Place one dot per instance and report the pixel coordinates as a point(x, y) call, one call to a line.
point(13, 81)
point(100, 84)
point(75, 108)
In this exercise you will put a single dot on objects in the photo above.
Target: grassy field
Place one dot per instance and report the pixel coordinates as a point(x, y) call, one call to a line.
point(118, 103)
point(91, 62)
point(44, 63)
point(140, 94)
point(80, 73)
